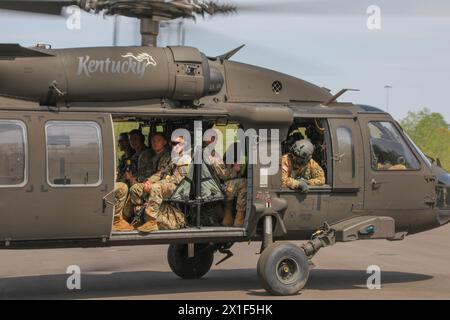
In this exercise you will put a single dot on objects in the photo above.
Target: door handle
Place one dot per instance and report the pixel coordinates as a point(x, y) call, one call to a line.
point(375, 184)
point(338, 157)
point(105, 201)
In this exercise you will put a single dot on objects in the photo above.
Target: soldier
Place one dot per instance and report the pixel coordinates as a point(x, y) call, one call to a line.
point(389, 166)
point(162, 184)
point(125, 159)
point(157, 163)
point(299, 170)
point(121, 187)
point(142, 157)
point(315, 134)
point(235, 188)
point(138, 168)
point(382, 160)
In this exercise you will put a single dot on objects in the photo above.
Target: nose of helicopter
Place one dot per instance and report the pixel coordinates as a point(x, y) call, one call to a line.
point(443, 198)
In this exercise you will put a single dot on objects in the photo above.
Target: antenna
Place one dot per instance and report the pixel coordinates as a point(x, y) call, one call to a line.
point(387, 87)
point(336, 96)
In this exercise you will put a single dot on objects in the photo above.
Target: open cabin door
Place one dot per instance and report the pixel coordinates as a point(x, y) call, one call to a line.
point(69, 167)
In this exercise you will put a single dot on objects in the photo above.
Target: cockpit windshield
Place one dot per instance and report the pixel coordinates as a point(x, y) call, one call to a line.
point(422, 155)
point(443, 196)
point(443, 191)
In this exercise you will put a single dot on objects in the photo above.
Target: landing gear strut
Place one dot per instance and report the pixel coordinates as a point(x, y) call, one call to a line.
point(268, 233)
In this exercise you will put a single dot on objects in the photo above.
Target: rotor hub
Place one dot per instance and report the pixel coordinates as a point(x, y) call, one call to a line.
point(158, 9)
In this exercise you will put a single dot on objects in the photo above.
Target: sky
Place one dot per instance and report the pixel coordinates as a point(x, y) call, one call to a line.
point(325, 42)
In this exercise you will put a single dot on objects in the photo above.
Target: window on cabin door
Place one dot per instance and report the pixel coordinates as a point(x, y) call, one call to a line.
point(13, 153)
point(74, 153)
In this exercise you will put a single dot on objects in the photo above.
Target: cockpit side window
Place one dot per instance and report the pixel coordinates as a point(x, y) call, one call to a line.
point(389, 150)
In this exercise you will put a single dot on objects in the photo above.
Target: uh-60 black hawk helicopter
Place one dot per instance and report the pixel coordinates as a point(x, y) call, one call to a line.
point(57, 159)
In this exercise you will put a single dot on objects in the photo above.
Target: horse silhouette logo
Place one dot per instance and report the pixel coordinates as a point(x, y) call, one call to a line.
point(142, 58)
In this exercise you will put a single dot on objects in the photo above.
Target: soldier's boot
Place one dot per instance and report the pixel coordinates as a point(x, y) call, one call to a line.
point(239, 219)
point(228, 215)
point(150, 225)
point(121, 225)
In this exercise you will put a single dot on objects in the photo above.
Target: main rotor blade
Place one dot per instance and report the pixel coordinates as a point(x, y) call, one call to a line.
point(36, 6)
point(345, 7)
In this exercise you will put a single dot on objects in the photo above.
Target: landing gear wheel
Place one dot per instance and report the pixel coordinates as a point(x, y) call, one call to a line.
point(190, 268)
point(283, 269)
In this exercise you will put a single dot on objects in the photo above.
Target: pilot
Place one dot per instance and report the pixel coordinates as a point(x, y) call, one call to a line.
point(139, 167)
point(299, 170)
point(399, 166)
point(389, 166)
point(162, 184)
point(159, 160)
point(235, 188)
point(293, 136)
point(383, 160)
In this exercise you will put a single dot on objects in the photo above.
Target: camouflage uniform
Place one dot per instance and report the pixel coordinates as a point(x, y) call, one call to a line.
point(235, 187)
point(398, 167)
point(134, 162)
point(122, 185)
point(153, 166)
point(144, 164)
point(141, 168)
point(121, 195)
point(159, 162)
point(122, 166)
point(163, 185)
point(292, 173)
point(381, 166)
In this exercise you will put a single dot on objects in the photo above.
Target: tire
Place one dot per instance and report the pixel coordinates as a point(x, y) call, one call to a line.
point(283, 269)
point(190, 268)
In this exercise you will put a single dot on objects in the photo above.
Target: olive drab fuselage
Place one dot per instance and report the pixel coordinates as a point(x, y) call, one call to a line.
point(94, 86)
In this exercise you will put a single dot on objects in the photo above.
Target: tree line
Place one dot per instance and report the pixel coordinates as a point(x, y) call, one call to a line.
point(431, 133)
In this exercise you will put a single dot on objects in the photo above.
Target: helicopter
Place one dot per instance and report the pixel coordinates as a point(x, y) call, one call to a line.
point(58, 108)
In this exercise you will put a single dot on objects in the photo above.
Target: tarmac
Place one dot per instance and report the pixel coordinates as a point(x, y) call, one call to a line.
point(415, 268)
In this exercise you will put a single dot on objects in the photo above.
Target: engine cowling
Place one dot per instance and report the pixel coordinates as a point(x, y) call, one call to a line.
point(111, 74)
